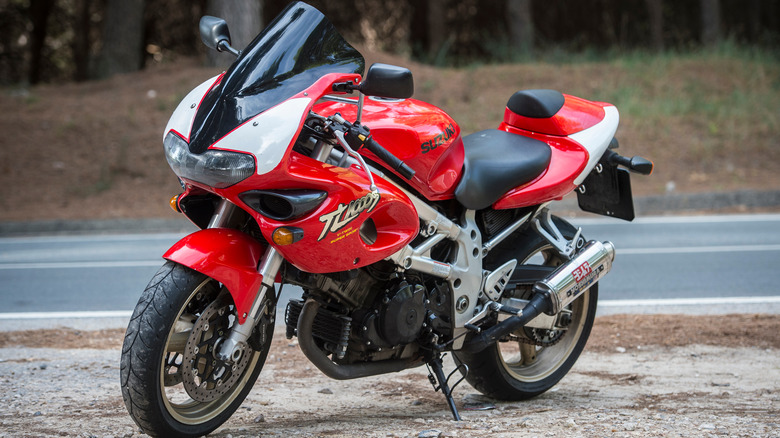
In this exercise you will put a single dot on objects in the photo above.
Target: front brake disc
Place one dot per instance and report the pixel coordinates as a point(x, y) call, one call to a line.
point(204, 375)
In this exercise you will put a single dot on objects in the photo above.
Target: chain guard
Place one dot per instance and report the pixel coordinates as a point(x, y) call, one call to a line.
point(538, 337)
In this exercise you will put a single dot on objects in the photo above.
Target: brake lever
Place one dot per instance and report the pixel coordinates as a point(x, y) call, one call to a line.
point(339, 129)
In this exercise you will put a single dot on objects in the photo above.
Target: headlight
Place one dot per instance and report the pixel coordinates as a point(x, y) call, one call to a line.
point(219, 169)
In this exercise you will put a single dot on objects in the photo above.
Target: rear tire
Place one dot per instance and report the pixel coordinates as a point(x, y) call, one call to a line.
point(159, 340)
point(513, 369)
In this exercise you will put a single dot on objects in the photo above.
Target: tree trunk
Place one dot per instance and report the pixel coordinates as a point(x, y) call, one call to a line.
point(754, 21)
point(437, 29)
point(521, 26)
point(81, 40)
point(123, 38)
point(245, 21)
point(39, 11)
point(710, 22)
point(655, 10)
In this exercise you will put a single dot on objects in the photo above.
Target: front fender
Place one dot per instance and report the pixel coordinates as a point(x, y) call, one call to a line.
point(228, 256)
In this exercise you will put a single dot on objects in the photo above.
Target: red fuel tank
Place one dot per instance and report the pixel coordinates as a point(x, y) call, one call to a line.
point(425, 137)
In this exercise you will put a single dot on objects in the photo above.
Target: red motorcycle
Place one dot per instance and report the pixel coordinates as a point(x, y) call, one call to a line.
point(407, 239)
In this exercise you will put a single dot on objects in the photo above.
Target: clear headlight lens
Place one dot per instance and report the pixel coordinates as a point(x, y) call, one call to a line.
point(219, 169)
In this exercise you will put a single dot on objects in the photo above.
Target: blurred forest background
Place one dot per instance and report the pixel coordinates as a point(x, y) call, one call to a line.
point(61, 40)
point(86, 86)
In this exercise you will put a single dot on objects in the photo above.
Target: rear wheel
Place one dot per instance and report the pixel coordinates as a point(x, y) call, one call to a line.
point(531, 361)
point(172, 381)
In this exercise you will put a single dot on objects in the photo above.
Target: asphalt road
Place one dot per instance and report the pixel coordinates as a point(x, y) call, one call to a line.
point(680, 264)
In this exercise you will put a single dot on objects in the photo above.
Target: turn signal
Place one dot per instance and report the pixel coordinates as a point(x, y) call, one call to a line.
point(287, 235)
point(175, 203)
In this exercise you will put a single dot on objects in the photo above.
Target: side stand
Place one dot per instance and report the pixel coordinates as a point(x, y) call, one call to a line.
point(439, 381)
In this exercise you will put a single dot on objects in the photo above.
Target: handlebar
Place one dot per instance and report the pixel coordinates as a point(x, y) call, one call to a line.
point(383, 154)
point(359, 136)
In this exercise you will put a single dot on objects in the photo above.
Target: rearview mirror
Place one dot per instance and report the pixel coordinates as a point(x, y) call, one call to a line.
point(213, 30)
point(383, 80)
point(215, 34)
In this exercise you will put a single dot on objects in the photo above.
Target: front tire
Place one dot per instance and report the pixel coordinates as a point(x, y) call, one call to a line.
point(514, 368)
point(172, 383)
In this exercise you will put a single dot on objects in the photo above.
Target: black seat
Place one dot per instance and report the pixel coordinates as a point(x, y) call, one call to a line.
point(497, 161)
point(537, 104)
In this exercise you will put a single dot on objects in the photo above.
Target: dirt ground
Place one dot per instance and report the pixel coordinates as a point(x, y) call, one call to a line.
point(640, 375)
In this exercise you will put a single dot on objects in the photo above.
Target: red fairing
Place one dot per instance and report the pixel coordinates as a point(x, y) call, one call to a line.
point(332, 238)
point(575, 115)
point(226, 255)
point(422, 135)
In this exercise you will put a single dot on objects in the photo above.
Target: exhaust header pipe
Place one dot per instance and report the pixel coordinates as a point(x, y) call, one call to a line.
point(554, 292)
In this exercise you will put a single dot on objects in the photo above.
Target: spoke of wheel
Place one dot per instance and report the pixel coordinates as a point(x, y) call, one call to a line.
point(172, 379)
point(528, 353)
point(178, 341)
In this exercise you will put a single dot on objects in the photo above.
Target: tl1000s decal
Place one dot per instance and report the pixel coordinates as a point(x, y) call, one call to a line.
point(346, 213)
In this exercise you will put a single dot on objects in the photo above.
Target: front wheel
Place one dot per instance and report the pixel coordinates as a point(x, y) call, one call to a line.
point(531, 361)
point(173, 383)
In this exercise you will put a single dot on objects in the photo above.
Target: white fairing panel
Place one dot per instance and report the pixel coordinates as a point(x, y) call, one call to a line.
point(182, 117)
point(596, 140)
point(267, 135)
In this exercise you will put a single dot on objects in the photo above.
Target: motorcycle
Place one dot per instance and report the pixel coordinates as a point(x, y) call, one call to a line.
point(408, 239)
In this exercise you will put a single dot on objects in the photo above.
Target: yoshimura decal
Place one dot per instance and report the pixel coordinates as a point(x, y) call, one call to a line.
point(585, 277)
point(346, 213)
point(581, 272)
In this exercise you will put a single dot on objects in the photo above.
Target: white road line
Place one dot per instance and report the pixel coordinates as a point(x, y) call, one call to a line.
point(699, 249)
point(689, 301)
point(602, 303)
point(620, 252)
point(82, 265)
point(99, 238)
point(678, 219)
point(66, 315)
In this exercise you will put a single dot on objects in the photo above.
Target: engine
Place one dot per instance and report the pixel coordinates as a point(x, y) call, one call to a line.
point(396, 319)
point(369, 310)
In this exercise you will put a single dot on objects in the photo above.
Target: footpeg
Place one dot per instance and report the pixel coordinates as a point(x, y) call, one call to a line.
point(490, 306)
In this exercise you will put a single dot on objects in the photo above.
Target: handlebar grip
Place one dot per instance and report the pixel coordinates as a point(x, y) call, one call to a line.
point(394, 162)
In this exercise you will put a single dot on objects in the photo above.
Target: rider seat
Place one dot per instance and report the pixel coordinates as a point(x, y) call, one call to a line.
point(496, 162)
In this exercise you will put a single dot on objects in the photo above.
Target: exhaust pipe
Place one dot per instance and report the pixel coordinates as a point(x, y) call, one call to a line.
point(573, 278)
point(554, 292)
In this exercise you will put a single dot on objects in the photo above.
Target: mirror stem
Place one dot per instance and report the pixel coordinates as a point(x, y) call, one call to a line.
point(361, 96)
point(224, 46)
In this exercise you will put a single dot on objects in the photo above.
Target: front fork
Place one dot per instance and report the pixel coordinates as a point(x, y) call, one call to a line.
point(235, 345)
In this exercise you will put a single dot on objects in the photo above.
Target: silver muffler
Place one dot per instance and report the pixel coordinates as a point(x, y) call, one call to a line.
point(574, 277)
point(553, 293)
